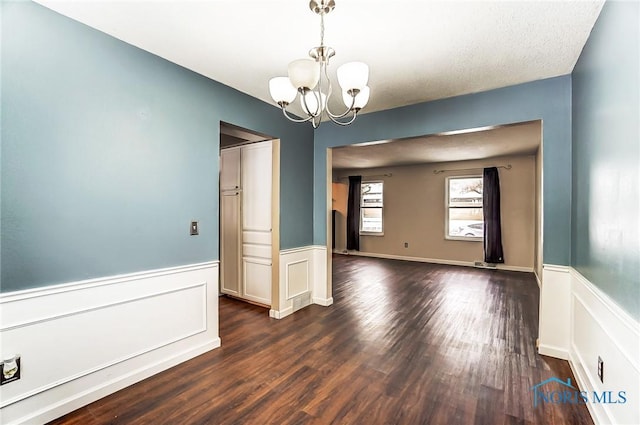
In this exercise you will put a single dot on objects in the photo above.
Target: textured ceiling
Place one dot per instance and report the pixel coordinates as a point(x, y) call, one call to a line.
point(417, 50)
point(519, 139)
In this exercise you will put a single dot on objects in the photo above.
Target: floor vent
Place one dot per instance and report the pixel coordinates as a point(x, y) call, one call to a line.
point(483, 265)
point(301, 301)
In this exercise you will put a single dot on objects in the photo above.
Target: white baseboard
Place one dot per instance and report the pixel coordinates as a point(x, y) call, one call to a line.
point(433, 260)
point(280, 314)
point(84, 340)
point(325, 302)
point(551, 351)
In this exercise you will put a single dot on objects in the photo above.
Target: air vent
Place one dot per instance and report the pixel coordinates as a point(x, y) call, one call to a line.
point(301, 301)
point(483, 265)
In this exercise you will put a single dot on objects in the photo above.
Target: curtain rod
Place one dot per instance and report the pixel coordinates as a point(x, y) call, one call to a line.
point(368, 177)
point(506, 167)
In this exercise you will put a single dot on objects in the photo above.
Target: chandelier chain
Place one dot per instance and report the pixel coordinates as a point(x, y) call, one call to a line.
point(322, 29)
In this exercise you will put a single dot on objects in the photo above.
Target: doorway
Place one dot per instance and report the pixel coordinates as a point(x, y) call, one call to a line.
point(249, 215)
point(415, 172)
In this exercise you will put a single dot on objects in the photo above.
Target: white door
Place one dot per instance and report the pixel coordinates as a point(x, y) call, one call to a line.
point(230, 169)
point(256, 221)
point(230, 243)
point(230, 226)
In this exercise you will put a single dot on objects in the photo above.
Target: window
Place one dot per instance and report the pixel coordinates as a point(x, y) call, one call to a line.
point(371, 208)
point(464, 219)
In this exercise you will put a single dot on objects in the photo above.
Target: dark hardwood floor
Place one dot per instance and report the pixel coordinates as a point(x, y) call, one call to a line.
point(404, 343)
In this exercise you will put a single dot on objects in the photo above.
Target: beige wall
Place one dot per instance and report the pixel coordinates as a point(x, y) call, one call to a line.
point(339, 195)
point(414, 211)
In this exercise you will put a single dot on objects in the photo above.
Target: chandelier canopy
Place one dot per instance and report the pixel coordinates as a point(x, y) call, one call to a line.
point(310, 79)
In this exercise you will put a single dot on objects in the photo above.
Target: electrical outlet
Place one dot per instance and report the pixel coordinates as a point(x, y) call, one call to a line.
point(601, 369)
point(406, 244)
point(194, 228)
point(10, 370)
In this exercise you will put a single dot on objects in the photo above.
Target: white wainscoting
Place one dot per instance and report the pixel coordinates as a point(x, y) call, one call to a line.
point(599, 327)
point(554, 313)
point(578, 322)
point(302, 274)
point(322, 292)
point(81, 341)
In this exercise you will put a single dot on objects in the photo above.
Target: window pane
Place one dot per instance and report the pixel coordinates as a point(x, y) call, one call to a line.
point(466, 222)
point(465, 192)
point(371, 194)
point(371, 219)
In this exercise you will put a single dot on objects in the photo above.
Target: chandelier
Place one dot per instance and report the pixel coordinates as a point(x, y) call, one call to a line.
point(309, 78)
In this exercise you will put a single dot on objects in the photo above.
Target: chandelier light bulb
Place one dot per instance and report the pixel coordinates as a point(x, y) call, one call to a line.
point(304, 73)
point(282, 90)
point(353, 75)
point(312, 102)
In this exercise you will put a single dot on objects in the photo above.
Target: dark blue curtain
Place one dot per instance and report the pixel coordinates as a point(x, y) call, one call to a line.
point(491, 211)
point(353, 213)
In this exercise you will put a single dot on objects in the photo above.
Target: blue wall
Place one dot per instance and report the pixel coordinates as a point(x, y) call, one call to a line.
point(549, 100)
point(108, 152)
point(606, 156)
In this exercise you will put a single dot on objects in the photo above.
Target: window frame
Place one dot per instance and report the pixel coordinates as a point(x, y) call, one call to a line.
point(367, 232)
point(448, 207)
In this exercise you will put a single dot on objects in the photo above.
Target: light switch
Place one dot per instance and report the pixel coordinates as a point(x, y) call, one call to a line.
point(194, 228)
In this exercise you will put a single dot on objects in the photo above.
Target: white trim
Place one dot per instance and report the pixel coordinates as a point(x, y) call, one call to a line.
point(601, 328)
point(535, 272)
point(406, 258)
point(464, 238)
point(585, 324)
point(554, 311)
point(433, 260)
point(289, 296)
point(620, 315)
point(556, 268)
point(280, 314)
point(98, 307)
point(557, 352)
point(301, 249)
point(13, 296)
point(381, 207)
point(315, 256)
point(76, 401)
point(96, 333)
point(514, 268)
point(325, 302)
point(113, 362)
point(448, 207)
point(582, 380)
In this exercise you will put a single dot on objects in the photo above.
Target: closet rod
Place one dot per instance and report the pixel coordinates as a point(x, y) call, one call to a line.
point(506, 167)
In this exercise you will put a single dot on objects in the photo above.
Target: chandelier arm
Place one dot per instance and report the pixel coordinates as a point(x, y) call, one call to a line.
point(318, 98)
point(345, 113)
point(343, 123)
point(290, 118)
point(332, 115)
